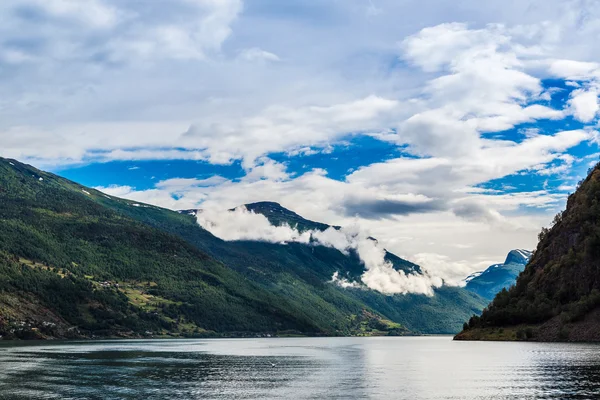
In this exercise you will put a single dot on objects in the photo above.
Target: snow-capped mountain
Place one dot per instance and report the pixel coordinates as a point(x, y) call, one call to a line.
point(498, 276)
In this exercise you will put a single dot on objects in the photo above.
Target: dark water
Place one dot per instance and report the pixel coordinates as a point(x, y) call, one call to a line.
point(328, 368)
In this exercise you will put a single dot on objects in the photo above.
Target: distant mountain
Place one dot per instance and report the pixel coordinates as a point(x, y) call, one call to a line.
point(557, 296)
point(75, 262)
point(498, 276)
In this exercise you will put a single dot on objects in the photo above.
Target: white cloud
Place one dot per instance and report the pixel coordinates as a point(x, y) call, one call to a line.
point(584, 104)
point(182, 183)
point(436, 48)
point(174, 198)
point(241, 224)
point(455, 271)
point(257, 54)
point(279, 129)
point(567, 188)
point(97, 32)
point(95, 13)
point(276, 129)
point(343, 282)
point(571, 69)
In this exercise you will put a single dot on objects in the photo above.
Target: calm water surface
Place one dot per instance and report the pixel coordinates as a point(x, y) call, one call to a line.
point(307, 368)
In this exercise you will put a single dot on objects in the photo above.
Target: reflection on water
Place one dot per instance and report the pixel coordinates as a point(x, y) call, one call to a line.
point(306, 368)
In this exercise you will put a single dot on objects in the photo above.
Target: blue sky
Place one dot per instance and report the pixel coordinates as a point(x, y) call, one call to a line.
point(348, 154)
point(450, 131)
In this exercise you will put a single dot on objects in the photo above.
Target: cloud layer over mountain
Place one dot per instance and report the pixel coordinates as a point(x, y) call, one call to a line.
point(241, 224)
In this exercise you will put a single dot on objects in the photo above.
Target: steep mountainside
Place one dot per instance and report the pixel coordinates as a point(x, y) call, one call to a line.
point(557, 296)
point(75, 262)
point(490, 282)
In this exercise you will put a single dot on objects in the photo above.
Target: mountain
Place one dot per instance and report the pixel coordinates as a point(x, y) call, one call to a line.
point(557, 296)
point(75, 262)
point(498, 276)
point(437, 314)
point(72, 264)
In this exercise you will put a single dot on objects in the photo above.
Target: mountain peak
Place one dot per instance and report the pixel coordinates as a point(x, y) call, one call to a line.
point(498, 276)
point(518, 256)
point(279, 215)
point(265, 204)
point(268, 206)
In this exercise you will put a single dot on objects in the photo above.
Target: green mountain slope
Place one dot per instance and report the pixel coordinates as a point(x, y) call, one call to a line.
point(99, 271)
point(75, 262)
point(557, 296)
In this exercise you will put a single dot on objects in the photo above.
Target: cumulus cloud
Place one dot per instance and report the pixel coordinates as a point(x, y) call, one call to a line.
point(241, 224)
point(109, 31)
point(483, 87)
point(571, 69)
point(279, 129)
point(584, 104)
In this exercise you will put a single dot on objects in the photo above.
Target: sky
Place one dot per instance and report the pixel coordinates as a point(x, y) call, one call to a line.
point(451, 131)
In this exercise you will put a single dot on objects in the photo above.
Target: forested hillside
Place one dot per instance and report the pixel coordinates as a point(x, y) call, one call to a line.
point(99, 271)
point(557, 296)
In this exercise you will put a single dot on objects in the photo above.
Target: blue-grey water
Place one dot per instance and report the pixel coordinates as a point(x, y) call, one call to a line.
point(305, 368)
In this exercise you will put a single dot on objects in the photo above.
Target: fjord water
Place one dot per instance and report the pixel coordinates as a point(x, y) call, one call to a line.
point(304, 368)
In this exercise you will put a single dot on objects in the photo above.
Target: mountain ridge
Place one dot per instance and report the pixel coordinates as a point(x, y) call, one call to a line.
point(278, 215)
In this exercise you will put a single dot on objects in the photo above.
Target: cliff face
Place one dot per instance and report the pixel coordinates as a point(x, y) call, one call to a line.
point(557, 296)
